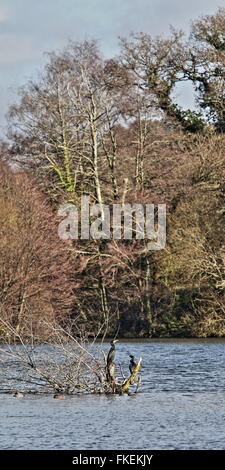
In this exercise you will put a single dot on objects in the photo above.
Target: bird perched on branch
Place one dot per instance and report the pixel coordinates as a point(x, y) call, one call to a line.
point(132, 364)
point(110, 364)
point(112, 351)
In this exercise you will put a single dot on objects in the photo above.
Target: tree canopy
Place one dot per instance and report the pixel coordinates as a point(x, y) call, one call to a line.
point(111, 129)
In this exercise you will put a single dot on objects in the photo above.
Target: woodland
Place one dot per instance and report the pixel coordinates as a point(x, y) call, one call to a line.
point(111, 128)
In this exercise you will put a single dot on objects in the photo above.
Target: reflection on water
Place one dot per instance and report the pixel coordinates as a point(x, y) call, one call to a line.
point(181, 405)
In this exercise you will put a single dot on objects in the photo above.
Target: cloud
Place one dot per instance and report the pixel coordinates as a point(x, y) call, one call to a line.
point(4, 14)
point(15, 48)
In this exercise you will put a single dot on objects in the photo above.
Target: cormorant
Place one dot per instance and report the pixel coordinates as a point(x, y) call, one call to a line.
point(112, 352)
point(110, 364)
point(132, 364)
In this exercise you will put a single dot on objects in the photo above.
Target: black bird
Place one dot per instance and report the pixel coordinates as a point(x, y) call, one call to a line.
point(132, 364)
point(110, 374)
point(112, 352)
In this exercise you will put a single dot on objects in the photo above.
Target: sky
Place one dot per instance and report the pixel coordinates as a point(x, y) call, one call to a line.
point(28, 28)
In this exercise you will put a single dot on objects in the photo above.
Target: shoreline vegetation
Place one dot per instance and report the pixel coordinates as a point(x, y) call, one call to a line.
point(110, 129)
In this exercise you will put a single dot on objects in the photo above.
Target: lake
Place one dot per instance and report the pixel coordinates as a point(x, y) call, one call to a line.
point(181, 405)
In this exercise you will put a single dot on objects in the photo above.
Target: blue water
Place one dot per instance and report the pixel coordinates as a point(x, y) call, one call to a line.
point(181, 405)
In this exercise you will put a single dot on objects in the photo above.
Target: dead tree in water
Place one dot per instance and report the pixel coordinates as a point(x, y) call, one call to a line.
point(64, 365)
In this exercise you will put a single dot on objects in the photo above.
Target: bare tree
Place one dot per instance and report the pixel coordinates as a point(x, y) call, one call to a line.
point(65, 364)
point(158, 65)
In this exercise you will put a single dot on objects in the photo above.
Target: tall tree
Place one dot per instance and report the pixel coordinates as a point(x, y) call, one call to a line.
point(160, 64)
point(36, 268)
